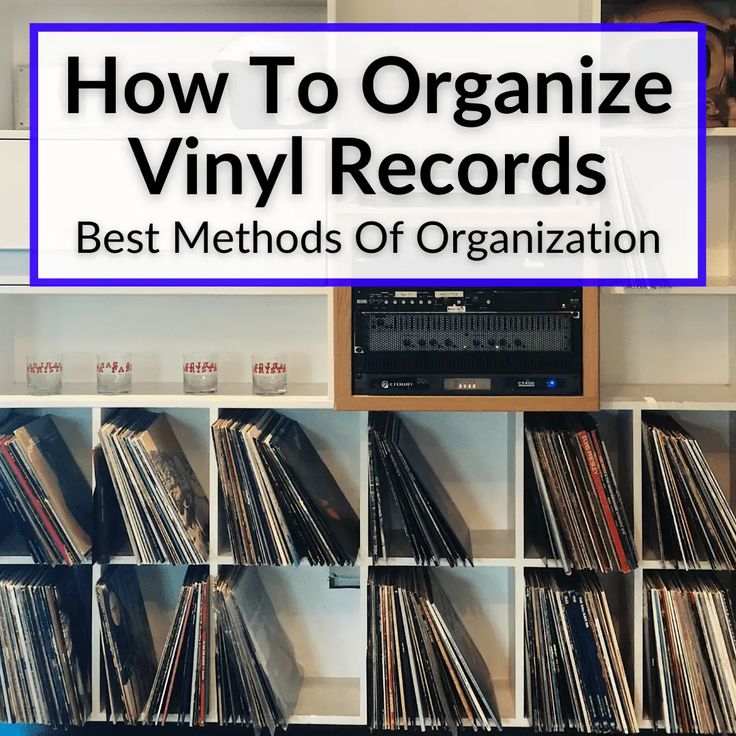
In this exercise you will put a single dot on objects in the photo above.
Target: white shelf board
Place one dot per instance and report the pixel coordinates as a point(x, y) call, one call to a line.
point(504, 693)
point(716, 286)
point(14, 134)
point(672, 397)
point(329, 701)
point(20, 287)
point(651, 564)
point(540, 562)
point(491, 548)
point(720, 132)
point(167, 395)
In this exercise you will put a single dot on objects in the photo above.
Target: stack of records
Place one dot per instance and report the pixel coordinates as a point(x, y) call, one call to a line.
point(136, 688)
point(693, 519)
point(690, 647)
point(577, 495)
point(127, 644)
point(409, 511)
point(43, 490)
point(283, 505)
point(575, 674)
point(110, 535)
point(258, 680)
point(423, 669)
point(44, 647)
point(180, 684)
point(163, 505)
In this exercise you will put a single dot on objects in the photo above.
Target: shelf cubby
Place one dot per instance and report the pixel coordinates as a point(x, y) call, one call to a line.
point(191, 427)
point(160, 587)
point(326, 628)
point(337, 439)
point(75, 427)
point(715, 432)
point(473, 456)
point(616, 431)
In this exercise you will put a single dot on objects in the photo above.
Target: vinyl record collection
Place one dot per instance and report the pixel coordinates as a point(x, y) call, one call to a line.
point(258, 680)
point(127, 645)
point(163, 504)
point(576, 488)
point(180, 685)
point(693, 520)
point(282, 503)
point(690, 650)
point(45, 494)
point(136, 688)
point(44, 647)
point(408, 509)
point(423, 669)
point(575, 675)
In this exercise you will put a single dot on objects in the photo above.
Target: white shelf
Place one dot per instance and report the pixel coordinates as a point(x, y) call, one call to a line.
point(491, 548)
point(715, 287)
point(329, 701)
point(169, 395)
point(720, 132)
point(22, 288)
point(14, 134)
point(671, 397)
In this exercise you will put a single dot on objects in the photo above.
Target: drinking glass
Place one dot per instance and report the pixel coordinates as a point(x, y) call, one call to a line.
point(200, 373)
point(114, 373)
point(43, 374)
point(269, 374)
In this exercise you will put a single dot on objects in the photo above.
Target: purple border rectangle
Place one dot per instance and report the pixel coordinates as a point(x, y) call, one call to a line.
point(36, 28)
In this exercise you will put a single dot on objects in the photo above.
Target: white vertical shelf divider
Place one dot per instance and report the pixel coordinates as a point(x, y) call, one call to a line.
point(364, 552)
point(95, 626)
point(95, 633)
point(214, 554)
point(516, 433)
point(364, 637)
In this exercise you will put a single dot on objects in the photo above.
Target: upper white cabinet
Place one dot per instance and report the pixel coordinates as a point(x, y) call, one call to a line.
point(14, 191)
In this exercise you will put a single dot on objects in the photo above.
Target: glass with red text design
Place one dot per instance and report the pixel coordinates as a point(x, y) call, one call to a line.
point(269, 374)
point(43, 374)
point(200, 373)
point(114, 373)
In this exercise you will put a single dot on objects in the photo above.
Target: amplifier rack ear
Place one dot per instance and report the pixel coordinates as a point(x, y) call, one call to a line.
point(346, 400)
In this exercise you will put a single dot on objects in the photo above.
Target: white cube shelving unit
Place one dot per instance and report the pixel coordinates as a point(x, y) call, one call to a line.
point(663, 349)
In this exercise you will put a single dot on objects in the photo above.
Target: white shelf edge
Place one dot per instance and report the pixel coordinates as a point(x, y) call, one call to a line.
point(167, 396)
point(18, 286)
point(708, 290)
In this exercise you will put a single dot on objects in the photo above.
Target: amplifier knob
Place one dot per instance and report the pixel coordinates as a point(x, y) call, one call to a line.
point(476, 343)
point(421, 343)
point(448, 342)
point(433, 342)
point(407, 342)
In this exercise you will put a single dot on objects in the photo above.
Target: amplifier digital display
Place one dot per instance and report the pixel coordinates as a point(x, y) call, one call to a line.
point(459, 341)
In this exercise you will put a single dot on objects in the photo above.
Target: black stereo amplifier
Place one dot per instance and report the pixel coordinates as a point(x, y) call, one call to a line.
point(460, 341)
